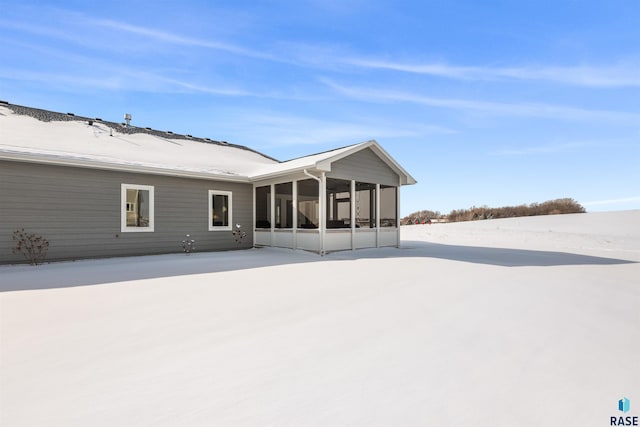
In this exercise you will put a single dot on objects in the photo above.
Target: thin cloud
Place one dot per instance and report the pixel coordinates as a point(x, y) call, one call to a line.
point(277, 130)
point(283, 94)
point(543, 149)
point(39, 30)
point(138, 80)
point(549, 111)
point(589, 76)
point(66, 79)
point(146, 32)
point(119, 79)
point(205, 89)
point(620, 201)
point(173, 38)
point(329, 58)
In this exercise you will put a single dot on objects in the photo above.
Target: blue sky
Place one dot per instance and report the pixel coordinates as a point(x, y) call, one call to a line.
point(484, 103)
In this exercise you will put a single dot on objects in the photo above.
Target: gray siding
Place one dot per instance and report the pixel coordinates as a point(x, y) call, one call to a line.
point(364, 166)
point(78, 211)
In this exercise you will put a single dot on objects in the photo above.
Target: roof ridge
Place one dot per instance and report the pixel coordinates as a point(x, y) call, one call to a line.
point(328, 151)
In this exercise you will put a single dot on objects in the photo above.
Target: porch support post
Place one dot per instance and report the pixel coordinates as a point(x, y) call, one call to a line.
point(378, 215)
point(398, 213)
point(353, 214)
point(253, 225)
point(323, 211)
point(294, 220)
point(322, 185)
point(273, 214)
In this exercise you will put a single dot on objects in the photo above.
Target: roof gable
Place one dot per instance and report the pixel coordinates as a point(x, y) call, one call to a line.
point(322, 162)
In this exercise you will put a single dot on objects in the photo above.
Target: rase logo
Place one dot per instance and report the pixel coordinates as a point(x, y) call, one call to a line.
point(624, 405)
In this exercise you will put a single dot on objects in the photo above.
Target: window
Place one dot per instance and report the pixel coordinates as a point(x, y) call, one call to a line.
point(365, 205)
point(338, 203)
point(136, 206)
point(263, 207)
point(220, 210)
point(308, 204)
point(284, 205)
point(388, 206)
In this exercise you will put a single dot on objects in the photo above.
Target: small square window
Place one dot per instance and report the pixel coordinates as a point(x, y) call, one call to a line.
point(137, 208)
point(220, 210)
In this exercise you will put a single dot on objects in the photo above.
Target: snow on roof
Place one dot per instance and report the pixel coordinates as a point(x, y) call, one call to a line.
point(306, 162)
point(30, 134)
point(95, 143)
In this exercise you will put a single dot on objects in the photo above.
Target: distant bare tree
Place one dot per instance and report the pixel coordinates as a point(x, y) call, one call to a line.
point(550, 207)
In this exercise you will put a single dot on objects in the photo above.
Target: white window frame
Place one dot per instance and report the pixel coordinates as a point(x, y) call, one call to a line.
point(124, 205)
point(229, 195)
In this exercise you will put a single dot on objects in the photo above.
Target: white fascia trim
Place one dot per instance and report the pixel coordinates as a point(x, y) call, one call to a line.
point(92, 164)
point(288, 172)
point(408, 179)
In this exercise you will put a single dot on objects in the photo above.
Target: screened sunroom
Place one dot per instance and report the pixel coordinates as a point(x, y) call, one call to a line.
point(339, 200)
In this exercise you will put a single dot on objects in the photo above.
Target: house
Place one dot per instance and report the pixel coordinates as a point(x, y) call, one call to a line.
point(95, 188)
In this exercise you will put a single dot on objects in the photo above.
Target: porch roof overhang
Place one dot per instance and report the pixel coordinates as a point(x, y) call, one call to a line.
point(322, 162)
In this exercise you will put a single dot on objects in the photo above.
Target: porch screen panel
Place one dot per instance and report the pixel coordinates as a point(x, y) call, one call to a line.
point(263, 207)
point(308, 204)
point(338, 203)
point(388, 206)
point(284, 205)
point(365, 205)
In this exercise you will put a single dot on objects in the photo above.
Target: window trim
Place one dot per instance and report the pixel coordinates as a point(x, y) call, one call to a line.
point(124, 228)
point(229, 195)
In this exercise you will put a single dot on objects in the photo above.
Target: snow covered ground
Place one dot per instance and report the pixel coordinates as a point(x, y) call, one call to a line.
point(527, 322)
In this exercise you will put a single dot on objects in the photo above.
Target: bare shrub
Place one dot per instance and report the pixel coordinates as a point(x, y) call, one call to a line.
point(238, 234)
point(188, 244)
point(32, 246)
